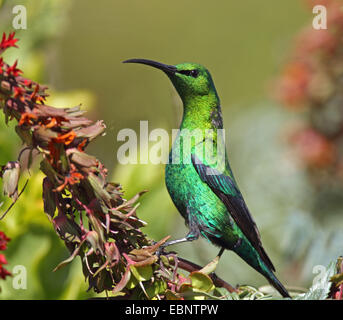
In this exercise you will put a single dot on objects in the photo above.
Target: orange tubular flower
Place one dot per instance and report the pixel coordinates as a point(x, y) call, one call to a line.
point(52, 122)
point(27, 118)
point(73, 177)
point(81, 146)
point(19, 93)
point(66, 138)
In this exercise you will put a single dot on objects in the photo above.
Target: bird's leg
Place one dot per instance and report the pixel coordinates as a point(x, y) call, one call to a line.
point(220, 252)
point(192, 235)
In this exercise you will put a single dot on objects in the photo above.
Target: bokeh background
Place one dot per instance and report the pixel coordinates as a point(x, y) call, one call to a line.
point(76, 48)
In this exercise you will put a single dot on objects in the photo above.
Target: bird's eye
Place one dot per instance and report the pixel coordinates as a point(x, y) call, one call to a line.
point(193, 73)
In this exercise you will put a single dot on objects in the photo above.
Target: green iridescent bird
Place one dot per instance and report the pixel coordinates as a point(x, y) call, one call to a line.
point(198, 175)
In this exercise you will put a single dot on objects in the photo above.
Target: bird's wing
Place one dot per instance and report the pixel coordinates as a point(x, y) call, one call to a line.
point(225, 188)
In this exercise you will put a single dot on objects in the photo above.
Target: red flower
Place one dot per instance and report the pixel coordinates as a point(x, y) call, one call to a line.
point(19, 93)
point(293, 85)
point(3, 272)
point(314, 149)
point(66, 138)
point(54, 152)
point(2, 259)
point(73, 177)
point(312, 40)
point(82, 145)
point(3, 246)
point(35, 97)
point(28, 83)
point(1, 65)
point(52, 122)
point(3, 241)
point(10, 42)
point(13, 70)
point(27, 118)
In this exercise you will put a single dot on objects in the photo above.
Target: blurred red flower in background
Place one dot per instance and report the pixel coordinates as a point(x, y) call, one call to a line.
point(3, 246)
point(313, 148)
point(312, 82)
point(3, 241)
point(8, 42)
point(293, 84)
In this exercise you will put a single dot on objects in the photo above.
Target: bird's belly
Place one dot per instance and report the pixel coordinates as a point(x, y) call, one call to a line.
point(194, 199)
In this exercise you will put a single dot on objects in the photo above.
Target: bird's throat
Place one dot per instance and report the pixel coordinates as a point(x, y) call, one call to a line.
point(202, 112)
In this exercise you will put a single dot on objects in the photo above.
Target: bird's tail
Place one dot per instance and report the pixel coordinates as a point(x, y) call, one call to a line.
point(274, 281)
point(256, 261)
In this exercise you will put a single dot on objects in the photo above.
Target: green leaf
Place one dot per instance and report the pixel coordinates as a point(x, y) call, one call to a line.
point(142, 273)
point(201, 281)
point(211, 266)
point(98, 188)
point(132, 283)
point(94, 240)
point(337, 279)
point(68, 260)
point(170, 295)
point(194, 295)
point(321, 288)
point(24, 134)
point(48, 197)
point(159, 286)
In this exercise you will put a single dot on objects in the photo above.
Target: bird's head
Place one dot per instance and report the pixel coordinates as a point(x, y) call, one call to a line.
point(189, 79)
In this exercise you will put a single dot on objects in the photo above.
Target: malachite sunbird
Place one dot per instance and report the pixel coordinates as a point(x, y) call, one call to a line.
point(201, 184)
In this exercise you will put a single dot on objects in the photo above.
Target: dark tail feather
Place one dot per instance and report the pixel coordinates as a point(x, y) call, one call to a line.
point(277, 285)
point(260, 263)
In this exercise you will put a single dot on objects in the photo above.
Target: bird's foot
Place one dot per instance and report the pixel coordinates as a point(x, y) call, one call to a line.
point(160, 251)
point(163, 245)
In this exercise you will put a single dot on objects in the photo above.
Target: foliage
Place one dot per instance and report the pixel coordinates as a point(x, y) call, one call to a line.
point(337, 281)
point(240, 70)
point(33, 239)
point(88, 213)
point(320, 289)
point(138, 279)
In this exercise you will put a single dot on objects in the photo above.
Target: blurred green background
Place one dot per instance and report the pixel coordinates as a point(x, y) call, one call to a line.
point(76, 48)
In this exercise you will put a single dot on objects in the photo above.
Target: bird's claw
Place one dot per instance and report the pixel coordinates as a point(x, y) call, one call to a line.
point(160, 250)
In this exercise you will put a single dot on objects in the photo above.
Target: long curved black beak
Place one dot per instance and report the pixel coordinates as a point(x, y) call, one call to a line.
point(164, 67)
